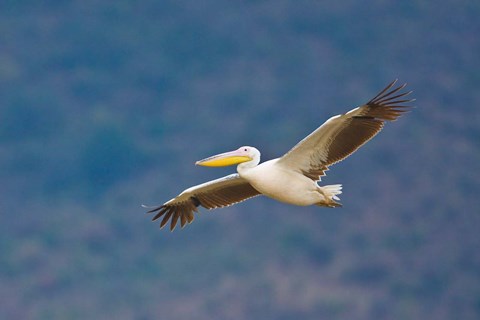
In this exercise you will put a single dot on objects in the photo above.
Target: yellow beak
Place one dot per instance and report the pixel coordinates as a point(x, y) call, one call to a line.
point(224, 159)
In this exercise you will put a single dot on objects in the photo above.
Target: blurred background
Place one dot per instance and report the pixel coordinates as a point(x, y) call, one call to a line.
point(106, 105)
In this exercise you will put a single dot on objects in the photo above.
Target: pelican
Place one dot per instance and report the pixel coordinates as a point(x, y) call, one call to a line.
point(292, 178)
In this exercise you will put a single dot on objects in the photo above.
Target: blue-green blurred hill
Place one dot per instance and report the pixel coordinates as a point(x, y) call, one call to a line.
point(105, 105)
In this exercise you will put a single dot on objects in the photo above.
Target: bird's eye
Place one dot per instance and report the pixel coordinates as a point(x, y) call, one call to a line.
point(245, 149)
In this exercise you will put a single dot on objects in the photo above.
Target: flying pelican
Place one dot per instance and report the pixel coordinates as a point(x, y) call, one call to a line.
point(292, 178)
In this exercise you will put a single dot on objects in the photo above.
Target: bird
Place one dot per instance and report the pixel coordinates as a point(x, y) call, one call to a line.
point(294, 177)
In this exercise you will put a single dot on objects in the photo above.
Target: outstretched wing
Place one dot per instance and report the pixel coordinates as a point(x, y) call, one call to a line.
point(214, 194)
point(342, 135)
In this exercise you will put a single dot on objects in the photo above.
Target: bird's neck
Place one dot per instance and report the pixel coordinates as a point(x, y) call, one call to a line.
point(245, 166)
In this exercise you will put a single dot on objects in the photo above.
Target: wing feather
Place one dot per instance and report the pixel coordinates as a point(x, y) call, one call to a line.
point(175, 217)
point(214, 194)
point(160, 213)
point(190, 215)
point(342, 135)
point(166, 217)
point(183, 220)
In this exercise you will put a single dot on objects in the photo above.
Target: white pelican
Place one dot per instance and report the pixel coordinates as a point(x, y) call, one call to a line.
point(292, 178)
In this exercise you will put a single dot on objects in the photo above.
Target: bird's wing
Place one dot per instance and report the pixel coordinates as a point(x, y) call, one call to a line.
point(343, 134)
point(213, 194)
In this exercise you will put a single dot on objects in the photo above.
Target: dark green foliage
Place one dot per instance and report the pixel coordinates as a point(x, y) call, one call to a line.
point(108, 156)
point(106, 105)
point(300, 245)
point(28, 120)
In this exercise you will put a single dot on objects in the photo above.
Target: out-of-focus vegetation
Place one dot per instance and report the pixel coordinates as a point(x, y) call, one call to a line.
point(105, 105)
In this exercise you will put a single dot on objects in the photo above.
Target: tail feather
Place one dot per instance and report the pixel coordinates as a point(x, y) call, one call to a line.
point(331, 192)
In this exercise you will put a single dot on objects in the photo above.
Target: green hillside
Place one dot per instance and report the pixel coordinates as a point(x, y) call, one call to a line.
point(106, 105)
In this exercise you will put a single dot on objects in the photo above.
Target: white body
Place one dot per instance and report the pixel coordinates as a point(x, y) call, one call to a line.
point(283, 184)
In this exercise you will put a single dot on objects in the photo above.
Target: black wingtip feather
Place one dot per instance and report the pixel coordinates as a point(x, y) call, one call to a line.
point(160, 213)
point(390, 85)
point(386, 95)
point(167, 216)
point(152, 208)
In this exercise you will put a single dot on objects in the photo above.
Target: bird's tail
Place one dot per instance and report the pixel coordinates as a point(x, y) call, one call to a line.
point(331, 192)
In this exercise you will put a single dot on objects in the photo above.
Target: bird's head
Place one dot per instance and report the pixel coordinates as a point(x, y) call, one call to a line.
point(243, 154)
